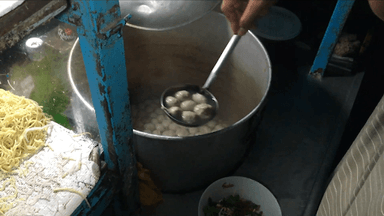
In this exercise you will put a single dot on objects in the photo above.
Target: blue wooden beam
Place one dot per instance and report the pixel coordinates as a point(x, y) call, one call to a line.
point(99, 26)
point(335, 26)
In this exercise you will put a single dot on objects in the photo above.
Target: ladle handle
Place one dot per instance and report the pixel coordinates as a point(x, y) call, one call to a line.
point(227, 51)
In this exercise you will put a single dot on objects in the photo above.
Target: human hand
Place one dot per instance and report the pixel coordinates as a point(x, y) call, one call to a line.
point(242, 13)
point(377, 8)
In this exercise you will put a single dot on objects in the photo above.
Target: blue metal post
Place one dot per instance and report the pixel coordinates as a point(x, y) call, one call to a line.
point(335, 26)
point(99, 26)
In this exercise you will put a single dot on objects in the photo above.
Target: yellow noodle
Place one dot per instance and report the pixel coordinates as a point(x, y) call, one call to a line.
point(73, 191)
point(23, 129)
point(65, 175)
point(5, 202)
point(71, 159)
point(77, 135)
point(22, 133)
point(50, 147)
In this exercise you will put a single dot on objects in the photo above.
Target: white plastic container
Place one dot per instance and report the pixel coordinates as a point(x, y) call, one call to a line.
point(244, 187)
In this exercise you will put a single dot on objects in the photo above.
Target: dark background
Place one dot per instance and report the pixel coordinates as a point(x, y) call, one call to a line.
point(315, 16)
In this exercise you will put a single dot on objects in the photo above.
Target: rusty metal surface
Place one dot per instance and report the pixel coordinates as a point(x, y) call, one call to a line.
point(99, 28)
point(18, 23)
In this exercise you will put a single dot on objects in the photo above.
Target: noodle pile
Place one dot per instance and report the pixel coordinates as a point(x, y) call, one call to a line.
point(17, 140)
point(21, 135)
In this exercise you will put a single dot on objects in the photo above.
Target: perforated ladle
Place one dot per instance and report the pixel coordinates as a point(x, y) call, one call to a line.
point(211, 100)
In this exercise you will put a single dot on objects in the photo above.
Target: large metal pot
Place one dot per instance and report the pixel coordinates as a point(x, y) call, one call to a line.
point(156, 60)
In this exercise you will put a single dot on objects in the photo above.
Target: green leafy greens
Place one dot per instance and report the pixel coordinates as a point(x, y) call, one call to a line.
point(234, 206)
point(51, 89)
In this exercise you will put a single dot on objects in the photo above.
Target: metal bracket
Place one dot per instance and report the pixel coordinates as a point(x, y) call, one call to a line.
point(114, 27)
point(73, 16)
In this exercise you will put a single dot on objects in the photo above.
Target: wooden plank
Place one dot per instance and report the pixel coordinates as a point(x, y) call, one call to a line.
point(19, 22)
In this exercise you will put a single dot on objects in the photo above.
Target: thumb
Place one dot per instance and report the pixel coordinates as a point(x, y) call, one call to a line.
point(231, 15)
point(255, 9)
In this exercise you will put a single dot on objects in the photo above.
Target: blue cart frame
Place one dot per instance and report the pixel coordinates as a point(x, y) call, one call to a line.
point(99, 26)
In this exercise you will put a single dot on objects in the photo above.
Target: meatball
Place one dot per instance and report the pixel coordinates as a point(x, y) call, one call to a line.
point(193, 130)
point(218, 127)
point(175, 111)
point(171, 101)
point(189, 117)
point(182, 95)
point(161, 118)
point(154, 121)
point(204, 111)
point(166, 123)
point(157, 132)
point(169, 133)
point(212, 124)
point(204, 129)
point(150, 118)
point(182, 132)
point(199, 98)
point(173, 126)
point(188, 105)
point(160, 127)
point(149, 126)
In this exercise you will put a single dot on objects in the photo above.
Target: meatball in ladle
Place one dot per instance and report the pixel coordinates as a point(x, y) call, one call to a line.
point(192, 105)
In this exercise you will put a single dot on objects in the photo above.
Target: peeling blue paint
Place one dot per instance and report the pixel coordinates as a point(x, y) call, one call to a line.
point(99, 25)
point(335, 27)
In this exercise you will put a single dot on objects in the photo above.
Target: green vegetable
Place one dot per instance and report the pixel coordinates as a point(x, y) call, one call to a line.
point(239, 207)
point(231, 201)
point(51, 85)
point(211, 211)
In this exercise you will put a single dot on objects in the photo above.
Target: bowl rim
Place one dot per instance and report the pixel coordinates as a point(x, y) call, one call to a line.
point(293, 17)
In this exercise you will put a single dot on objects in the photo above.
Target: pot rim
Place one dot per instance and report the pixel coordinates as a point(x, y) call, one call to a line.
point(161, 137)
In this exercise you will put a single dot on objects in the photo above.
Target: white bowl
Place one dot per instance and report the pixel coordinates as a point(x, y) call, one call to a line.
point(279, 24)
point(247, 189)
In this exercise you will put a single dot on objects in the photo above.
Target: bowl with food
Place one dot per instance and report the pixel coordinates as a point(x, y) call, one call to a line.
point(238, 196)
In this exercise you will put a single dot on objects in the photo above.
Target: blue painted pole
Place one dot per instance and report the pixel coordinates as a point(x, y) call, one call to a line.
point(99, 26)
point(335, 26)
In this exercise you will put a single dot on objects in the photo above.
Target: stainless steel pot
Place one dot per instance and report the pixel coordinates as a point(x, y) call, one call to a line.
point(157, 60)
